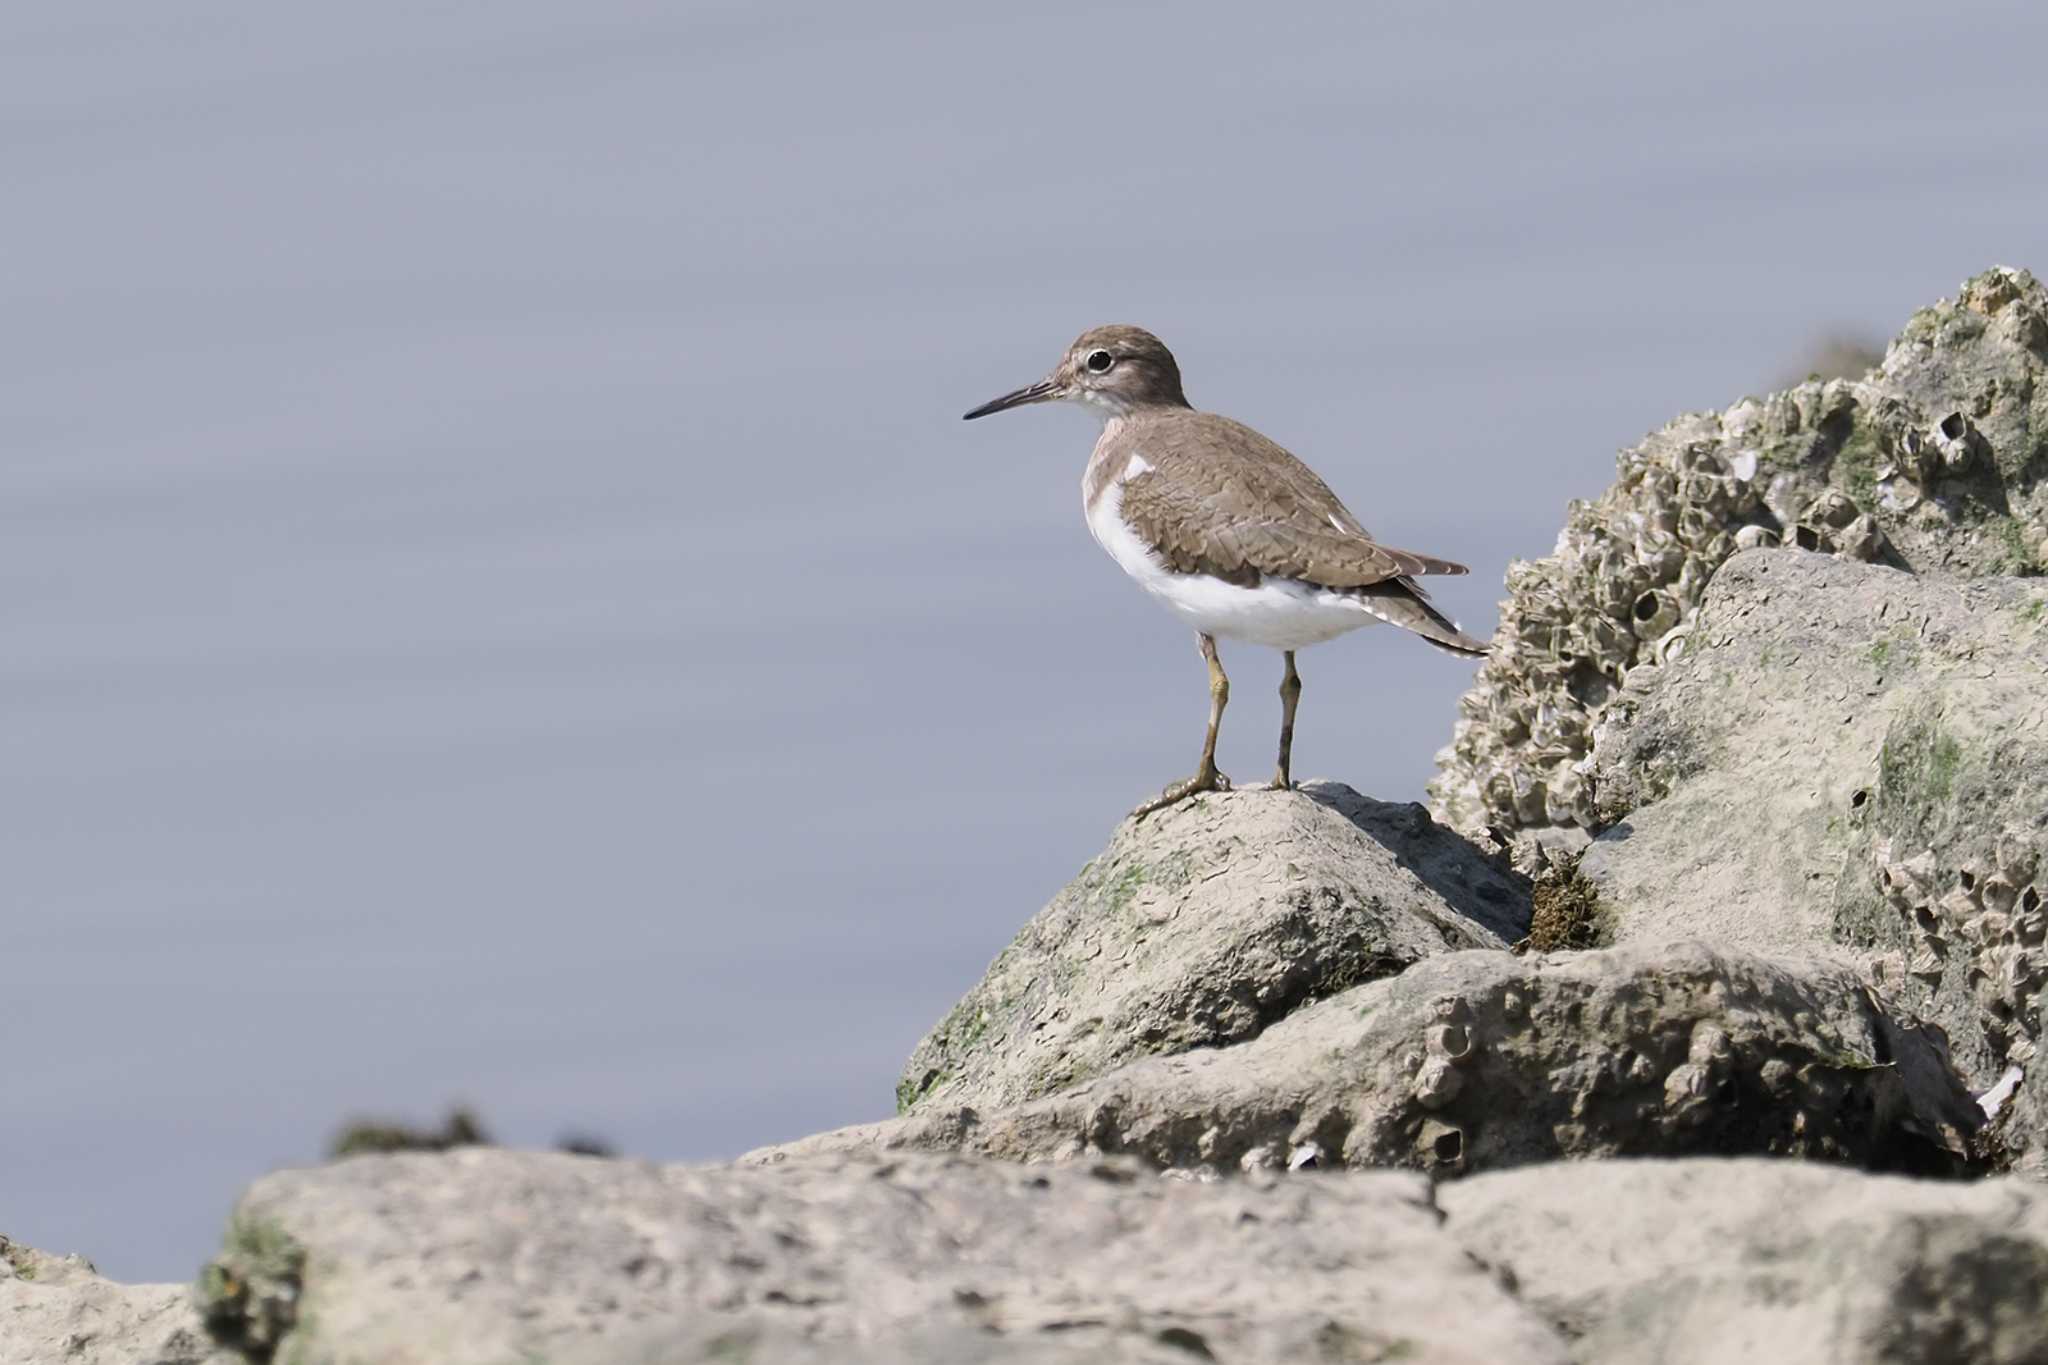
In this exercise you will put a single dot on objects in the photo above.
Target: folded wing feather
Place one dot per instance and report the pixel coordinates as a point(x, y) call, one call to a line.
point(1218, 498)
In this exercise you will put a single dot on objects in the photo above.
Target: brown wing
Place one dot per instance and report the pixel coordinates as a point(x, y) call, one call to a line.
point(1399, 602)
point(1221, 499)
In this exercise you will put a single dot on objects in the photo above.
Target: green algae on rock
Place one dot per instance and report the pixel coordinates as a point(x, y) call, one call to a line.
point(249, 1293)
point(1204, 924)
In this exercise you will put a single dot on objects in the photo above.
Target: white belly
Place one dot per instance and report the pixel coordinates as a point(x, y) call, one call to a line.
point(1280, 613)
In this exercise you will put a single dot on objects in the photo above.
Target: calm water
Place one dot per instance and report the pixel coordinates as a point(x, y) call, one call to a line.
point(499, 604)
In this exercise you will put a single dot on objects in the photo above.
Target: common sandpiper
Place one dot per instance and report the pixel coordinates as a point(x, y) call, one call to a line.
point(1232, 533)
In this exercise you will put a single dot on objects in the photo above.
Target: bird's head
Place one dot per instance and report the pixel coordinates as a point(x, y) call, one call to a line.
point(1114, 369)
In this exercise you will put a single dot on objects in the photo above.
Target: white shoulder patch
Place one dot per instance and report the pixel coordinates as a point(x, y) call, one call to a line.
point(1138, 465)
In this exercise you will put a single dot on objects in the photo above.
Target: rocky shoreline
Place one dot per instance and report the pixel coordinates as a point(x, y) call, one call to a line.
point(1698, 1024)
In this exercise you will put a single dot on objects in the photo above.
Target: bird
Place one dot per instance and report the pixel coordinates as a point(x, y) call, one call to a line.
point(1231, 532)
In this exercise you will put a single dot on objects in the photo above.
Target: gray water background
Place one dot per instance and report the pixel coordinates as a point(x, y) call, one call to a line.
point(496, 601)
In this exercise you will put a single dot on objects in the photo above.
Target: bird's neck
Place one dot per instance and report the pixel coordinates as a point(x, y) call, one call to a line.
point(1111, 454)
point(1109, 406)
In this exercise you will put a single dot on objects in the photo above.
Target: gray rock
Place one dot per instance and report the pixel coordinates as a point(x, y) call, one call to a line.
point(1730, 1262)
point(490, 1256)
point(1202, 925)
point(1479, 1060)
point(1937, 462)
point(58, 1309)
point(2020, 1135)
point(1849, 760)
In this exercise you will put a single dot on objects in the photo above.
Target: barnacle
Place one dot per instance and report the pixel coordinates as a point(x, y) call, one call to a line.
point(1990, 916)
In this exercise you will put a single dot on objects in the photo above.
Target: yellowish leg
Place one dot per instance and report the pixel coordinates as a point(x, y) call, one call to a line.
point(1290, 695)
point(1206, 778)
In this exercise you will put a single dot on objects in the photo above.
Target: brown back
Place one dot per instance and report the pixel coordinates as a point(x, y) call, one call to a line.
point(1221, 499)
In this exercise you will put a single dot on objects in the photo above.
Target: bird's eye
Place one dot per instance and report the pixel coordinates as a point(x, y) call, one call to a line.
point(1100, 361)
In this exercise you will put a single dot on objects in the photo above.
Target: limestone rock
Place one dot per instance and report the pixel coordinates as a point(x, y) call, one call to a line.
point(58, 1309)
point(487, 1256)
point(1851, 760)
point(1202, 925)
point(1729, 1262)
point(1936, 462)
point(1479, 1060)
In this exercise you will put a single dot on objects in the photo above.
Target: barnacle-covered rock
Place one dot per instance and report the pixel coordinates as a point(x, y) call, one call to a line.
point(1480, 1060)
point(1850, 760)
point(1979, 935)
point(1936, 462)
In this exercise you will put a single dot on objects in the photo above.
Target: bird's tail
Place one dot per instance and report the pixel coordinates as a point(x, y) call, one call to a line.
point(1401, 603)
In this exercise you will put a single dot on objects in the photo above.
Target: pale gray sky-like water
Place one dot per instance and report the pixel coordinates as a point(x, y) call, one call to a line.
point(497, 602)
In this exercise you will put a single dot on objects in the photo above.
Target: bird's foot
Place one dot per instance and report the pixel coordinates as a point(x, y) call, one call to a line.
point(1281, 783)
point(1205, 780)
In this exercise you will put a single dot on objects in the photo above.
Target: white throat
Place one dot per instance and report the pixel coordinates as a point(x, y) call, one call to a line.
point(1106, 406)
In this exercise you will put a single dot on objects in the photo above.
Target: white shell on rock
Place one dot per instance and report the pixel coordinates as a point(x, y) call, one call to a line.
point(1654, 614)
point(1437, 1083)
point(1956, 440)
point(1862, 539)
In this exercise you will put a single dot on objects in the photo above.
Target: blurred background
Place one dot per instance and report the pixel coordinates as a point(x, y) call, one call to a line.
point(500, 607)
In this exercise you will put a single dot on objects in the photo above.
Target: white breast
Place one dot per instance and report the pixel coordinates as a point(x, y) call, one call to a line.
point(1280, 613)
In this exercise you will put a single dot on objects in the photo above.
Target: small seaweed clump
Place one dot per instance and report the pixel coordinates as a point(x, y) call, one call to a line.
point(21, 1261)
point(462, 1128)
point(249, 1293)
point(1565, 911)
point(361, 1136)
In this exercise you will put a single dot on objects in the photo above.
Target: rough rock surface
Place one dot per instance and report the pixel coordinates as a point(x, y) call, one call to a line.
point(1202, 925)
point(1848, 759)
point(58, 1308)
point(490, 1256)
point(1479, 1060)
point(1937, 462)
point(1732, 1262)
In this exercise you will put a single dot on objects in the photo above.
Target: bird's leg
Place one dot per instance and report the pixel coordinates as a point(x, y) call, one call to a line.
point(1219, 697)
point(1290, 694)
point(1206, 778)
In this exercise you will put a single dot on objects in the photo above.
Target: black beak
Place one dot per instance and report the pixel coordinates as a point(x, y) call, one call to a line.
point(1030, 393)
